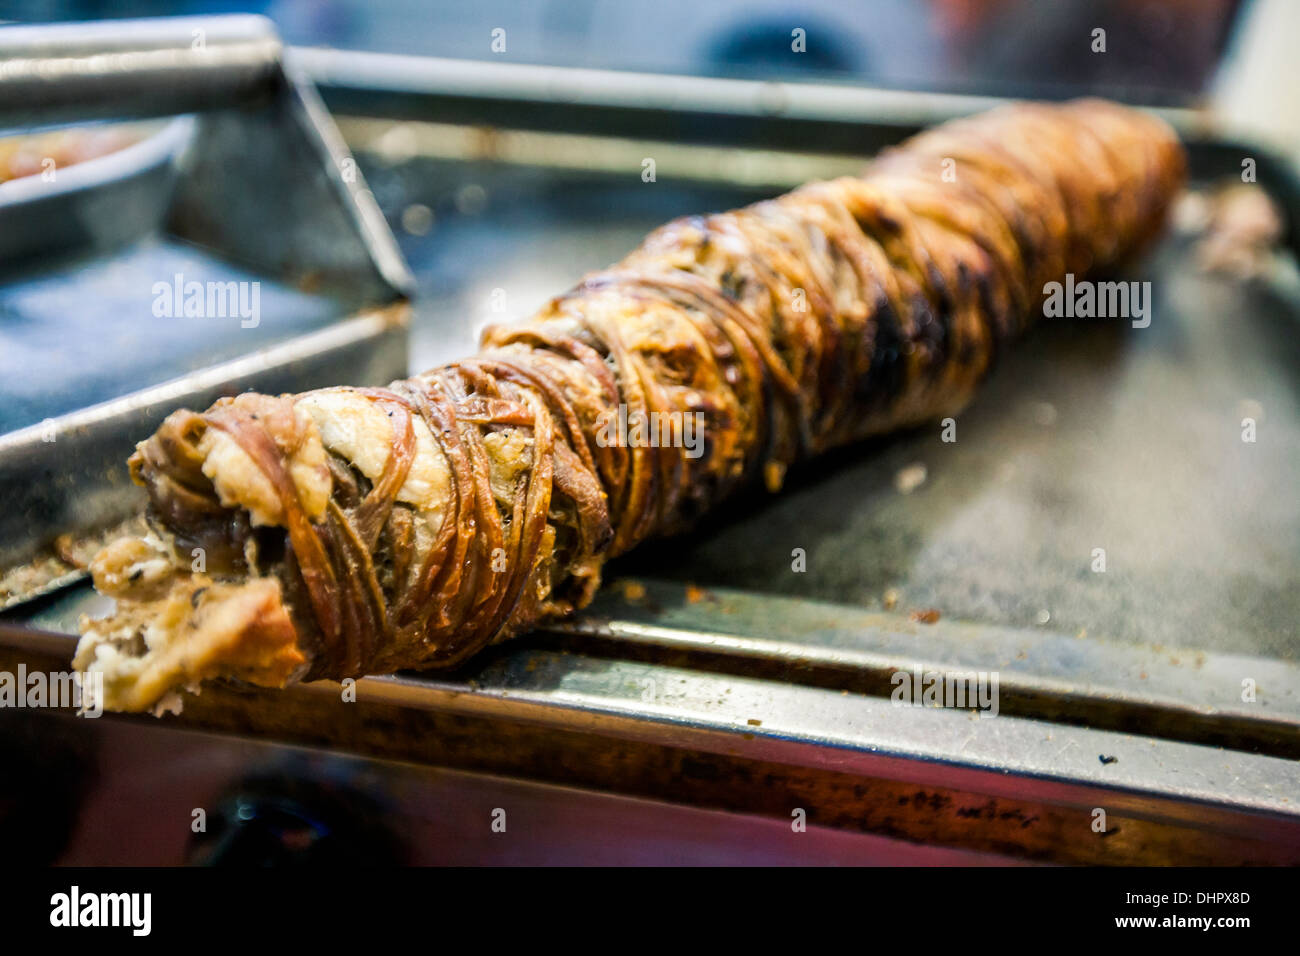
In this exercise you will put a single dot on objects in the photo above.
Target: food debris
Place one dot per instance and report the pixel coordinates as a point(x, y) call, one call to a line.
point(1243, 233)
point(754, 723)
point(928, 616)
point(890, 598)
point(69, 554)
point(908, 479)
point(634, 590)
point(1249, 408)
point(694, 595)
point(1191, 213)
point(1044, 414)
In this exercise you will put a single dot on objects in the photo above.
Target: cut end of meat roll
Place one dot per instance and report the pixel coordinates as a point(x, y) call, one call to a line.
point(353, 531)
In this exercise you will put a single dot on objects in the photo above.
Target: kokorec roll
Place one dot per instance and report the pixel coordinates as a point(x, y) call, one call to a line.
point(353, 531)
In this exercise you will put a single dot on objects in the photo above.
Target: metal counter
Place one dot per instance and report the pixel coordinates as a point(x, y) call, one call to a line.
point(712, 672)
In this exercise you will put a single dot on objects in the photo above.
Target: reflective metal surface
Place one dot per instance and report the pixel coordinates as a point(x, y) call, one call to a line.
point(1156, 690)
point(133, 68)
point(258, 190)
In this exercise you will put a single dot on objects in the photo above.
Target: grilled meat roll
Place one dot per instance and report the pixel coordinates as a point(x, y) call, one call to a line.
point(352, 531)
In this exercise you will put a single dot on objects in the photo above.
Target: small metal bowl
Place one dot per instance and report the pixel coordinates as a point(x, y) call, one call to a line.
point(94, 205)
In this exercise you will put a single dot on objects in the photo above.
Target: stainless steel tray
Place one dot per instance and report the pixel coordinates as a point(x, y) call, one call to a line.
point(727, 679)
point(251, 185)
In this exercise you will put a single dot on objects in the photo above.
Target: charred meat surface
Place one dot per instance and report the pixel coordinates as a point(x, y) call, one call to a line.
point(353, 531)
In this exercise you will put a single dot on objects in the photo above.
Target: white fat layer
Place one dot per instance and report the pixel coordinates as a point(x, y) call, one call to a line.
point(239, 483)
point(359, 430)
point(111, 657)
point(150, 571)
point(509, 453)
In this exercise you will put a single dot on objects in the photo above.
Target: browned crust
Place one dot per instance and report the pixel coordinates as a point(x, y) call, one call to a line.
point(842, 309)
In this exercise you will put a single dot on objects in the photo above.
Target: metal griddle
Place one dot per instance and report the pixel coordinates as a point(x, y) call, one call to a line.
point(724, 678)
